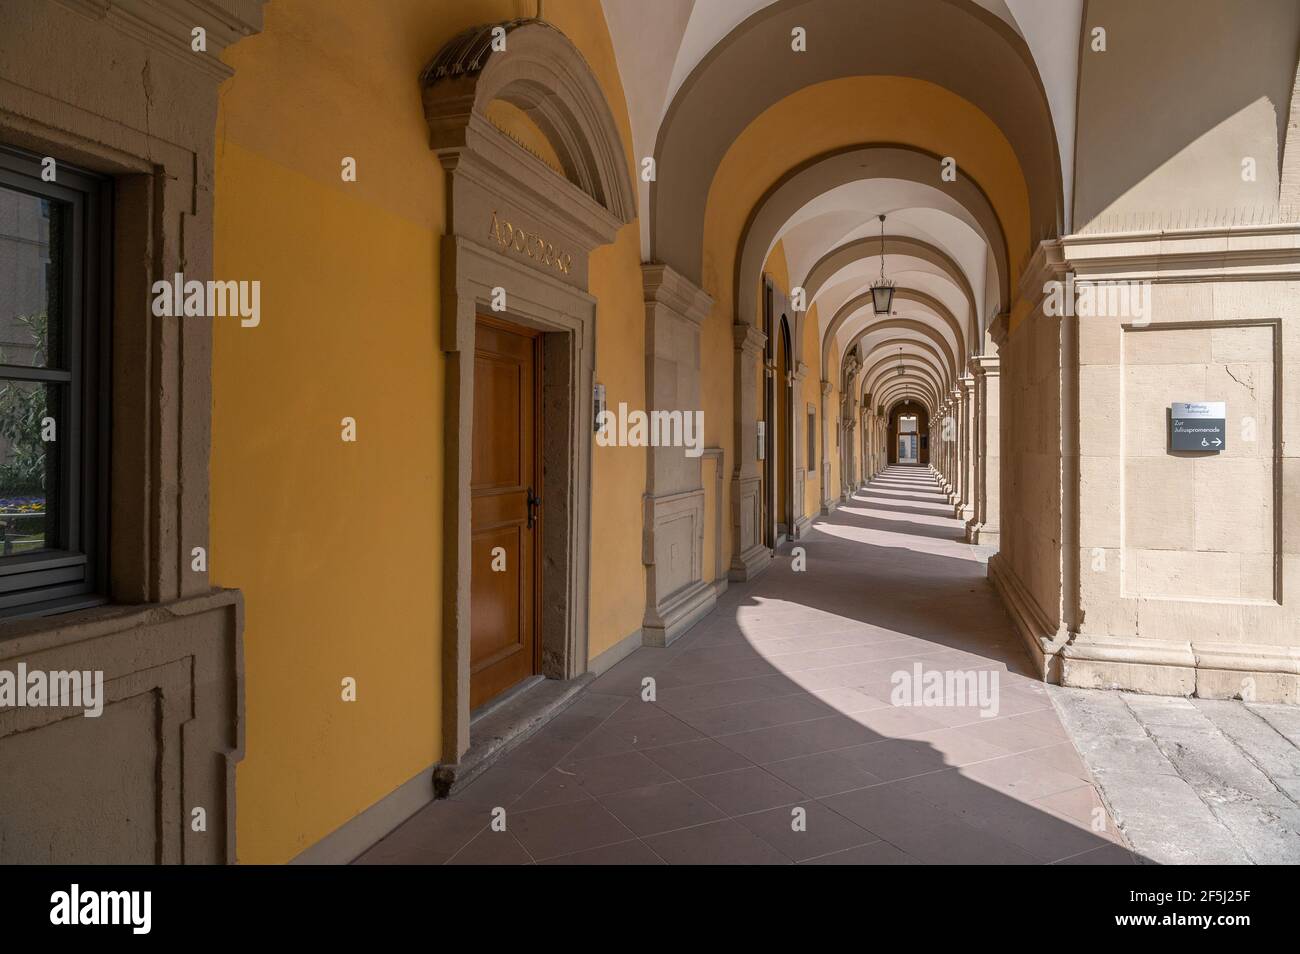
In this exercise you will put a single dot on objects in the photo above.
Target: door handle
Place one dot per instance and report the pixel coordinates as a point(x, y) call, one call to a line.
point(534, 504)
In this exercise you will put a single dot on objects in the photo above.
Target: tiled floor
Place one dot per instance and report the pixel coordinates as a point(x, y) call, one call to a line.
point(772, 739)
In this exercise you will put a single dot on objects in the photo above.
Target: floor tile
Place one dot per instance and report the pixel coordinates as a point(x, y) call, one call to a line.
point(875, 853)
point(623, 853)
point(687, 760)
point(746, 790)
point(720, 843)
point(815, 831)
point(564, 829)
point(492, 848)
point(823, 773)
point(659, 808)
point(608, 773)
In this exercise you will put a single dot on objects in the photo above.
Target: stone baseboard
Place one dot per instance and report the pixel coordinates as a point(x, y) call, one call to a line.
point(1252, 672)
point(354, 837)
point(680, 614)
point(615, 654)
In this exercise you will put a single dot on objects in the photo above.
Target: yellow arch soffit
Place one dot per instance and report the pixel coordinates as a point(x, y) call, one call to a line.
point(851, 111)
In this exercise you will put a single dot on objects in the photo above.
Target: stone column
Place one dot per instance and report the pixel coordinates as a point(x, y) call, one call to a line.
point(850, 458)
point(948, 438)
point(750, 556)
point(955, 458)
point(984, 527)
point(936, 443)
point(826, 389)
point(965, 508)
point(673, 538)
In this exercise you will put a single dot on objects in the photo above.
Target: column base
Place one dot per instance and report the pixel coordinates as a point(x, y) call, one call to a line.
point(1254, 672)
point(749, 564)
point(983, 534)
point(680, 613)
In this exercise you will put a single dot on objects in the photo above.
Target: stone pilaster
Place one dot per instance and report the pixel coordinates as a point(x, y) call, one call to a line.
point(673, 531)
point(827, 502)
point(985, 526)
point(750, 556)
point(800, 521)
point(965, 508)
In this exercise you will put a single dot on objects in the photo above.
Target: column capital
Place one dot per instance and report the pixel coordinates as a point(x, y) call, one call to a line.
point(999, 328)
point(1047, 264)
point(661, 285)
point(747, 338)
point(982, 365)
point(827, 387)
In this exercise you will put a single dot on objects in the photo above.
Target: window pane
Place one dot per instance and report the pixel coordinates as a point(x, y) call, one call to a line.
point(29, 412)
point(32, 271)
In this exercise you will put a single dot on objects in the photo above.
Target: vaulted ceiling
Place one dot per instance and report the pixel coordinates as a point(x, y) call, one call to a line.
point(697, 74)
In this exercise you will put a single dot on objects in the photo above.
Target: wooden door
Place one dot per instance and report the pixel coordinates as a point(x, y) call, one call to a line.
point(505, 521)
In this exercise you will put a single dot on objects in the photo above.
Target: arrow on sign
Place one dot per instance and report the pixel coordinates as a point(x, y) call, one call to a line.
point(1216, 442)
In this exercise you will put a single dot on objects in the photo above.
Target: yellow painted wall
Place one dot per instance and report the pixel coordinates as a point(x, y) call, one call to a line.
point(816, 120)
point(336, 545)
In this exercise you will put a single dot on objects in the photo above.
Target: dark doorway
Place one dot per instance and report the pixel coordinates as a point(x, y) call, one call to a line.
point(909, 434)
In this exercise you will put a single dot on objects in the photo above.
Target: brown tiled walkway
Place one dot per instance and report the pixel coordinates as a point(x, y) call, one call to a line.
point(779, 701)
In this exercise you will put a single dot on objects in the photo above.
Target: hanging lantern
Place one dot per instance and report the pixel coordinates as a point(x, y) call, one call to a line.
point(882, 291)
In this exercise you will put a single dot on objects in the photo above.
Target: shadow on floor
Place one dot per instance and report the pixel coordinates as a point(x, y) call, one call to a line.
point(774, 732)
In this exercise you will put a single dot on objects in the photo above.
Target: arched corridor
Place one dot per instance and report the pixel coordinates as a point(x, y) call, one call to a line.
point(780, 700)
point(648, 430)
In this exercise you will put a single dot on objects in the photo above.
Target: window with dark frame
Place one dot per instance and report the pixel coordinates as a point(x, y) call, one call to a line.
point(55, 265)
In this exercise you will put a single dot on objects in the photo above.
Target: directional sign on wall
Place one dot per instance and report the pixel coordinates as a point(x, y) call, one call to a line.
point(1198, 426)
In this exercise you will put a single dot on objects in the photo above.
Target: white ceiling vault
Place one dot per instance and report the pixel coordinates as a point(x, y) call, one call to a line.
point(659, 44)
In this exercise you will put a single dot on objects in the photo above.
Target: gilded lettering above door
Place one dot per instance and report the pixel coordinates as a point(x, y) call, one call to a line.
point(530, 244)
